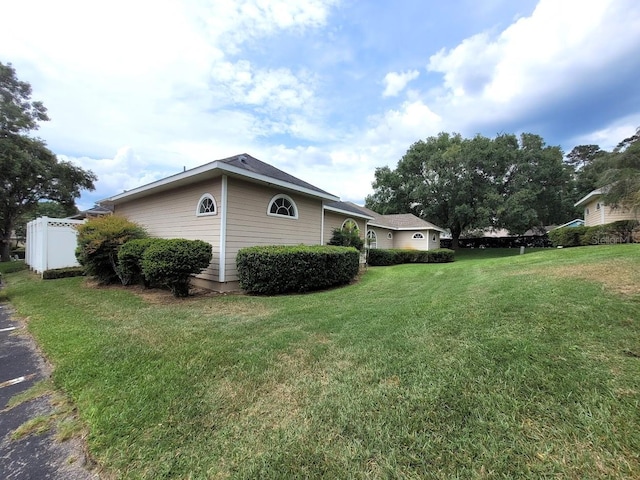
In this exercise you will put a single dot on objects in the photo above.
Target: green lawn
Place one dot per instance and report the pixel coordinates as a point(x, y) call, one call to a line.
point(522, 366)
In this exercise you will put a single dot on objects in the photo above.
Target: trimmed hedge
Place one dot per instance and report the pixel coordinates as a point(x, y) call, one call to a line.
point(66, 272)
point(384, 257)
point(129, 267)
point(171, 262)
point(616, 232)
point(279, 269)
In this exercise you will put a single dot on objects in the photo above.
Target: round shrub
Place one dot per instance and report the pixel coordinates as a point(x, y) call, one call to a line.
point(99, 240)
point(130, 260)
point(281, 269)
point(171, 262)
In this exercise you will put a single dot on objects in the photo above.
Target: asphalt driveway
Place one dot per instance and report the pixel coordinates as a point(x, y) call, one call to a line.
point(34, 456)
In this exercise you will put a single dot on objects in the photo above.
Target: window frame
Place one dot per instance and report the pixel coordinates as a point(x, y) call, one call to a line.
point(277, 197)
point(349, 219)
point(374, 238)
point(417, 236)
point(206, 196)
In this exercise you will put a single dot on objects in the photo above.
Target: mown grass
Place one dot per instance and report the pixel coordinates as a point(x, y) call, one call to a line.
point(489, 367)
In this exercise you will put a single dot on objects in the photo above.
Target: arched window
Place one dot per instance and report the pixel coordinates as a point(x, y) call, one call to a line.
point(434, 237)
point(372, 239)
point(206, 205)
point(282, 206)
point(598, 206)
point(389, 235)
point(418, 236)
point(350, 225)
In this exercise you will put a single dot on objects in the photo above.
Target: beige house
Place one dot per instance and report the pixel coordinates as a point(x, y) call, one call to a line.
point(241, 201)
point(597, 213)
point(403, 230)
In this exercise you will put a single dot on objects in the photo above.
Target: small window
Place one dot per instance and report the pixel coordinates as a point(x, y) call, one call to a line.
point(206, 205)
point(434, 237)
point(598, 206)
point(282, 206)
point(389, 235)
point(587, 211)
point(350, 225)
point(372, 239)
point(418, 236)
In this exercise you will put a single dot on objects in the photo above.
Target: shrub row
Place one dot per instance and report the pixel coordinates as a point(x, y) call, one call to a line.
point(113, 249)
point(382, 257)
point(99, 240)
point(616, 232)
point(62, 273)
point(273, 270)
point(160, 262)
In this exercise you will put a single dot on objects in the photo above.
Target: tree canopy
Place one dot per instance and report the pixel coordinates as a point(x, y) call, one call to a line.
point(464, 184)
point(29, 171)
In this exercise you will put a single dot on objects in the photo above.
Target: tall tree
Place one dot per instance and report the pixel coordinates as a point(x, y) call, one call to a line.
point(622, 175)
point(537, 188)
point(588, 163)
point(444, 179)
point(477, 183)
point(29, 171)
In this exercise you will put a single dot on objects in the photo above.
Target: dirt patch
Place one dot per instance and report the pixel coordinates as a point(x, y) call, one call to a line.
point(615, 276)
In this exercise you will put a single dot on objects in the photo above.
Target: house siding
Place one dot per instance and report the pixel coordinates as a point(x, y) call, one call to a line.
point(333, 220)
point(248, 223)
point(382, 240)
point(605, 214)
point(404, 239)
point(172, 214)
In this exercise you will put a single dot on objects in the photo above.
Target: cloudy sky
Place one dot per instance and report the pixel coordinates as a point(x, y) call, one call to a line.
point(326, 90)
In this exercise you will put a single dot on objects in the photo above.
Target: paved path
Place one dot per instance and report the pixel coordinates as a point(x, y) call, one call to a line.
point(35, 456)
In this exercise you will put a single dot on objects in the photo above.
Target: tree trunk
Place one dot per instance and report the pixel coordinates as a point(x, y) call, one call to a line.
point(5, 247)
point(455, 242)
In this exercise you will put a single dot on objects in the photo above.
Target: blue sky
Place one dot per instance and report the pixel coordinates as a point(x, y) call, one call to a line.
point(326, 90)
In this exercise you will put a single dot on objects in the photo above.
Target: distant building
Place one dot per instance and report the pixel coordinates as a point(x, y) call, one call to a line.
point(596, 212)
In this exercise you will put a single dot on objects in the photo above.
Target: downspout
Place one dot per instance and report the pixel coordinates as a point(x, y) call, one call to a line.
point(322, 226)
point(222, 263)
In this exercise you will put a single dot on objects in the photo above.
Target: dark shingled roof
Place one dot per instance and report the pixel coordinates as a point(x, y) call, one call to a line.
point(349, 207)
point(251, 164)
point(396, 221)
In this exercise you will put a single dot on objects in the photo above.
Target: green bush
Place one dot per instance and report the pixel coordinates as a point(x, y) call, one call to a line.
point(171, 262)
point(282, 269)
point(616, 232)
point(346, 237)
point(129, 268)
point(383, 257)
point(62, 273)
point(99, 240)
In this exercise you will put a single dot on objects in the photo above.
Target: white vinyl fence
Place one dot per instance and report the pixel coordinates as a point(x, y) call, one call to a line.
point(51, 243)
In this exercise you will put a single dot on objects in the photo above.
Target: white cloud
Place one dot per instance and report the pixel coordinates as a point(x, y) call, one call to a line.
point(396, 82)
point(537, 58)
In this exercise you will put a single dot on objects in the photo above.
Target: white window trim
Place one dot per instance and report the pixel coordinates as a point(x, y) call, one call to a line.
point(350, 220)
point(215, 206)
point(373, 237)
point(286, 197)
point(390, 235)
point(417, 236)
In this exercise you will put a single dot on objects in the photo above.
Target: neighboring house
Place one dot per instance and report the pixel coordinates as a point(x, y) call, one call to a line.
point(93, 212)
point(597, 213)
point(241, 201)
point(403, 230)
